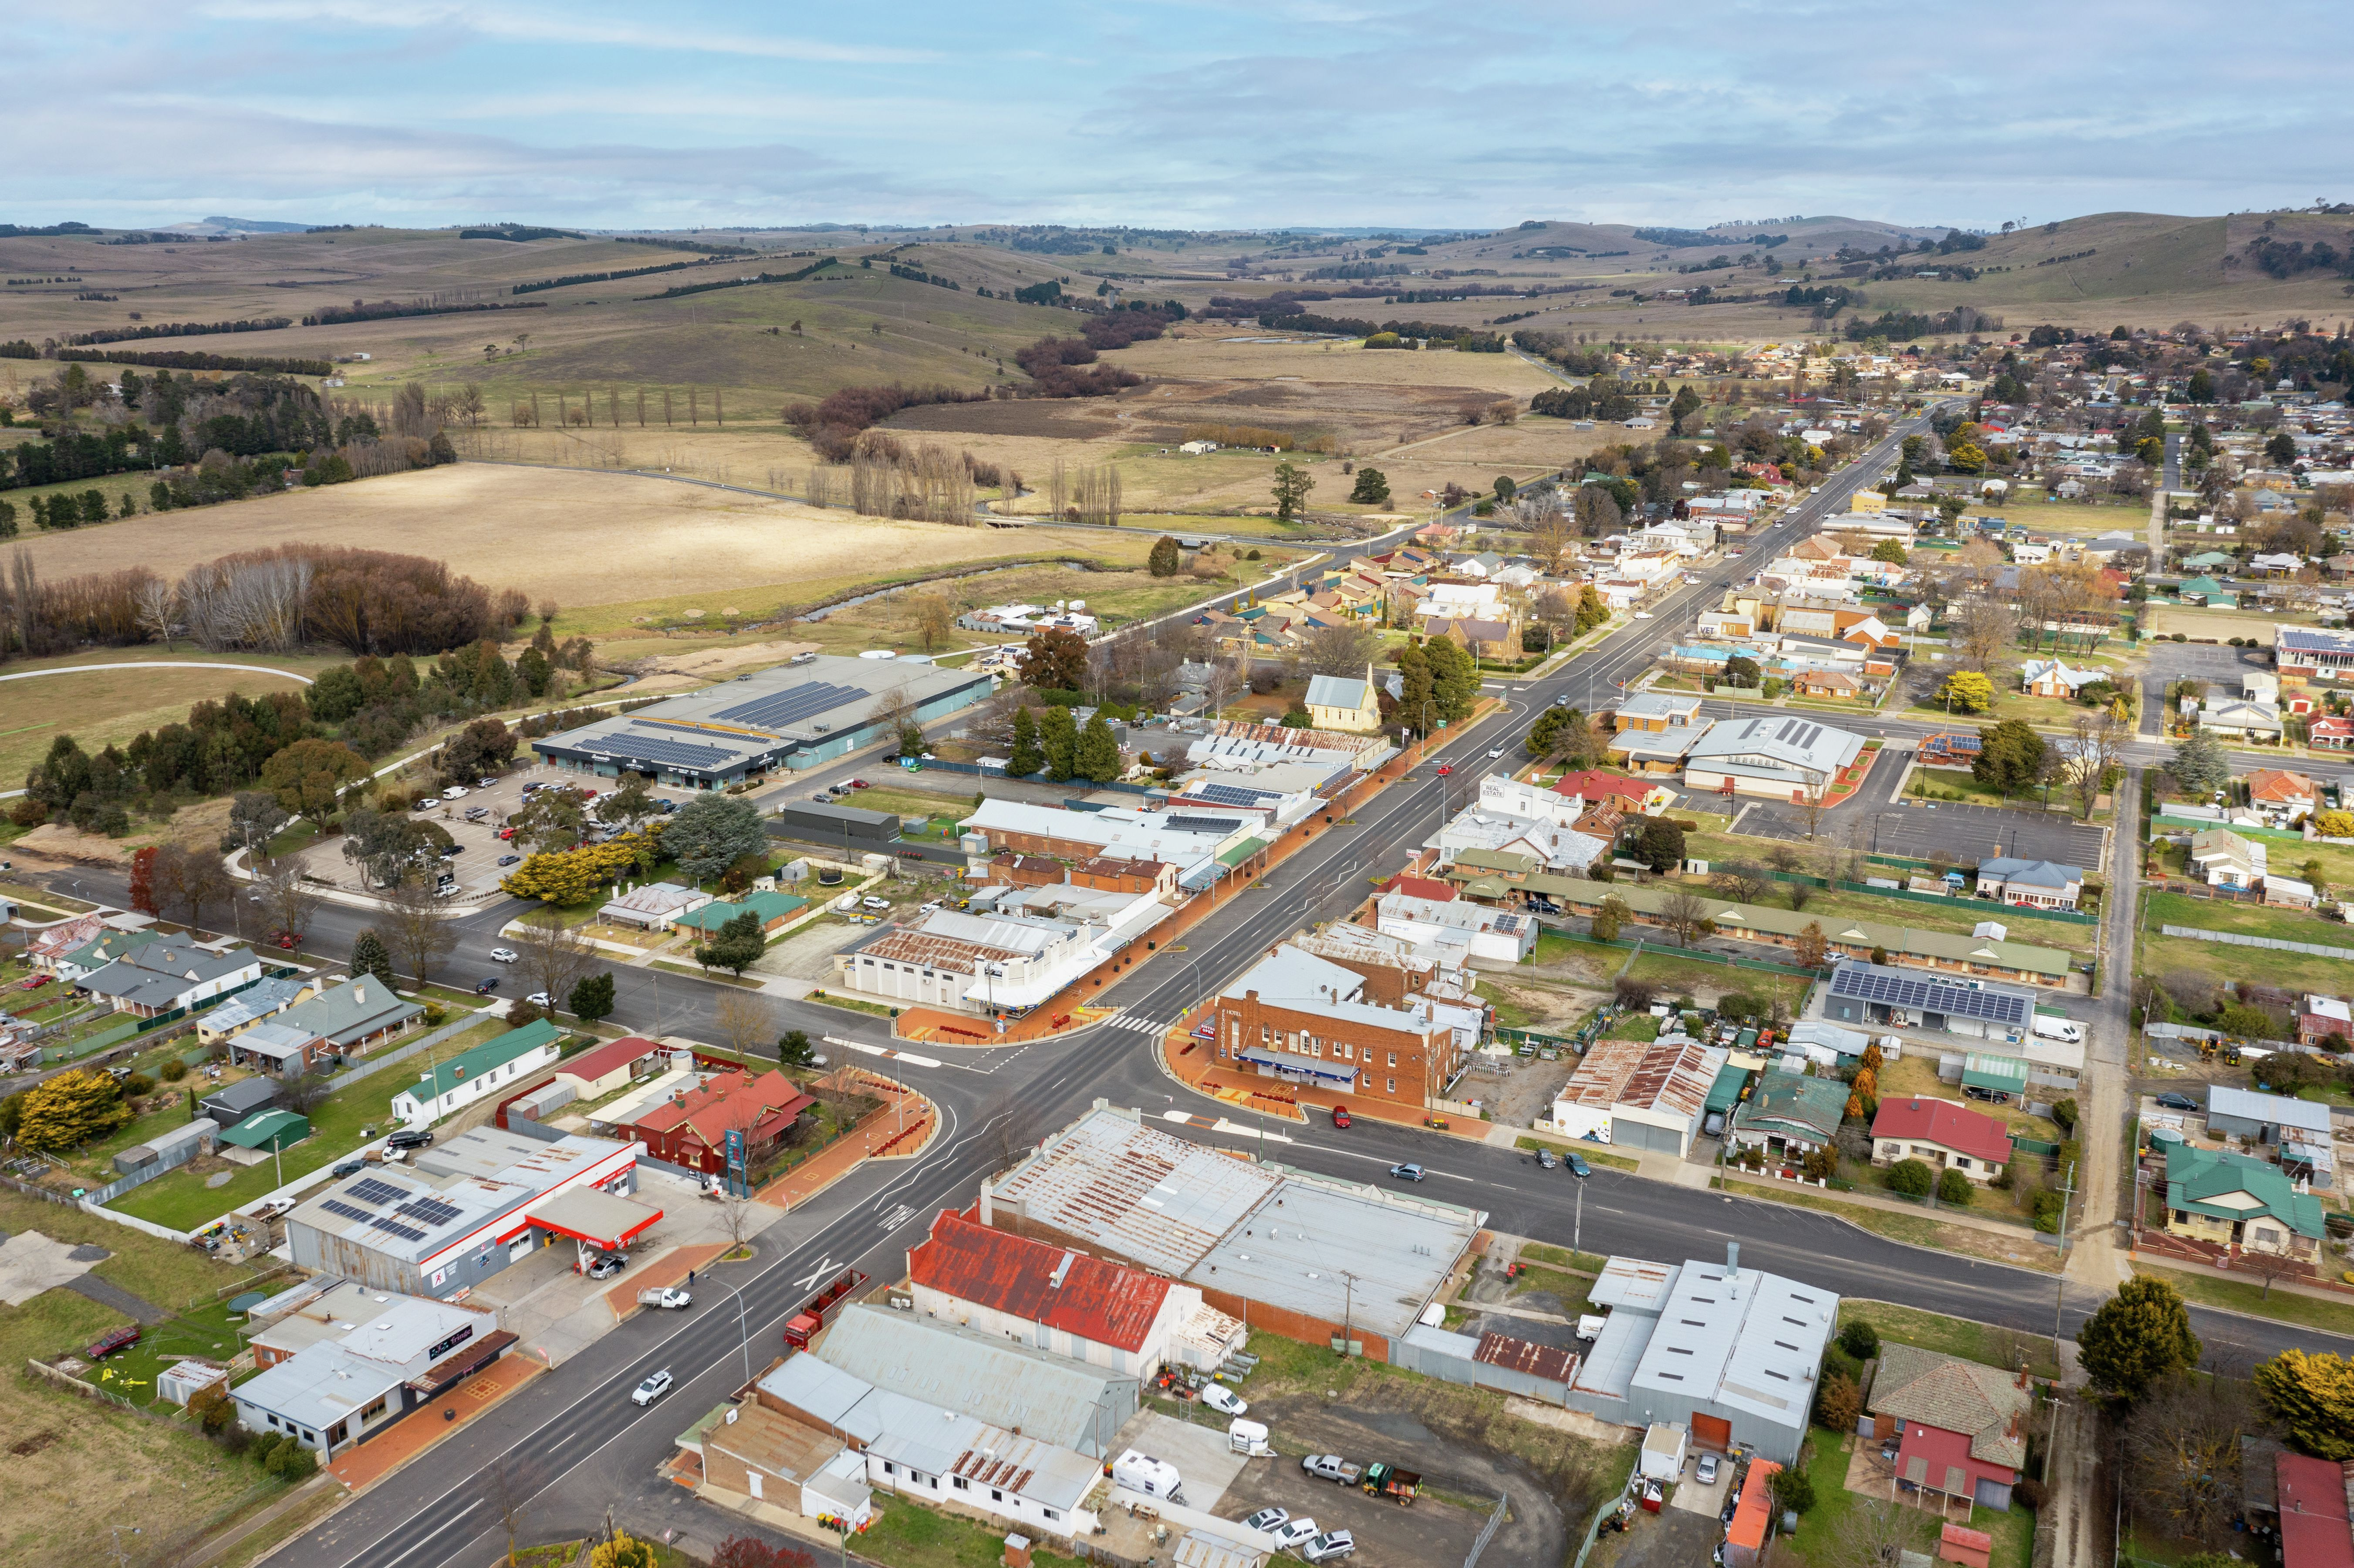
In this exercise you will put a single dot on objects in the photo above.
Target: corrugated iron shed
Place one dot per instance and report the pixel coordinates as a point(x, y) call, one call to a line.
point(1553, 1365)
point(1064, 1289)
point(1134, 1192)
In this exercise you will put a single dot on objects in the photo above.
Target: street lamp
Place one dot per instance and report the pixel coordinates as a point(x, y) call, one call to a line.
point(743, 1333)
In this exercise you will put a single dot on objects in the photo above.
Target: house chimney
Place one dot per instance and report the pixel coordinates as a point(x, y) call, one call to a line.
point(359, 994)
point(2022, 1374)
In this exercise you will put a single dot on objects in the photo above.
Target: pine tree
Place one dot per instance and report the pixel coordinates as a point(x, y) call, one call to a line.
point(1026, 758)
point(592, 997)
point(1099, 751)
point(738, 946)
point(1165, 560)
point(1059, 735)
point(2138, 1336)
point(371, 956)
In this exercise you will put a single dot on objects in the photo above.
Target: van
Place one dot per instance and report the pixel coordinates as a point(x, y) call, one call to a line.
point(1249, 1437)
point(1154, 1477)
point(2059, 1029)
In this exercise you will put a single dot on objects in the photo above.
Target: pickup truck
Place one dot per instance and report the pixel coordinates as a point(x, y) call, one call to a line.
point(1332, 1467)
point(1385, 1481)
point(668, 1296)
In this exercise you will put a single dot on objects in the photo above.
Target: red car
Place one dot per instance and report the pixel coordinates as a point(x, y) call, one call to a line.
point(506, 832)
point(858, 783)
point(1444, 768)
point(1340, 1116)
point(284, 939)
point(34, 982)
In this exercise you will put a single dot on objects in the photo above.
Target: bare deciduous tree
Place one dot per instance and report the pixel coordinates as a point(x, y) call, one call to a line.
point(1813, 800)
point(745, 1021)
point(413, 928)
point(286, 901)
point(1980, 629)
point(551, 956)
point(2092, 748)
point(1683, 913)
point(2182, 1452)
point(1876, 1533)
point(1740, 881)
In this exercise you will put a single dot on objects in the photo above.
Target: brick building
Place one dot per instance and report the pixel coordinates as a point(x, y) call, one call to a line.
point(691, 1128)
point(1308, 1021)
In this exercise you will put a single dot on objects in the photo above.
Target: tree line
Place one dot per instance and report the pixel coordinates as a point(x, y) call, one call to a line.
point(177, 329)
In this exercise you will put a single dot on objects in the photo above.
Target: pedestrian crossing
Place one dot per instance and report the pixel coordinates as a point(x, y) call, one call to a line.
point(1129, 1021)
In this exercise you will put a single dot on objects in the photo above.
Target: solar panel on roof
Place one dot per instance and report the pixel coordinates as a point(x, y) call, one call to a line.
point(638, 746)
point(372, 1191)
point(1871, 984)
point(429, 1211)
point(406, 1233)
point(1231, 795)
point(778, 709)
point(1219, 825)
point(349, 1211)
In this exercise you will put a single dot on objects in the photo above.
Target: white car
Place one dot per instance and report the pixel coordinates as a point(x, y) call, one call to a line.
point(1642, 615)
point(1332, 1545)
point(505, 956)
point(1495, 752)
point(873, 903)
point(455, 792)
point(1293, 1532)
point(1223, 1400)
point(541, 998)
point(653, 1388)
point(1267, 1519)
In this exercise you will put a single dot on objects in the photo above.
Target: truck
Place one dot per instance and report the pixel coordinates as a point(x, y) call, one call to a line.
point(1141, 1472)
point(669, 1297)
point(1384, 1480)
point(1332, 1468)
point(820, 1309)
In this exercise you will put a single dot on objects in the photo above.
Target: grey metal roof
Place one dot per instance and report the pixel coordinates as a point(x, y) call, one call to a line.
point(1135, 1191)
point(2248, 1106)
point(318, 1387)
point(1062, 1401)
point(412, 1214)
point(156, 974)
point(1338, 1253)
point(360, 1006)
point(1751, 1340)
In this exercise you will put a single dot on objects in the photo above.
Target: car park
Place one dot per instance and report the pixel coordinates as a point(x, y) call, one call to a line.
point(1408, 1171)
point(1294, 1532)
point(510, 860)
point(655, 1385)
point(476, 813)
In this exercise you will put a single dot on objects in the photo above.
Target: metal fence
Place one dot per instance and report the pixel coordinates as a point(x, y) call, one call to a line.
point(2242, 940)
point(1488, 1530)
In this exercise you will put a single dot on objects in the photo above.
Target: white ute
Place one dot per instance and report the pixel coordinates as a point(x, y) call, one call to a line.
point(669, 1297)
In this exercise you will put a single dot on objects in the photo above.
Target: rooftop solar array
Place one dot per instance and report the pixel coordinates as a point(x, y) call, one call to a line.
point(1221, 826)
point(348, 1211)
point(1231, 795)
point(778, 709)
point(1869, 982)
point(406, 1232)
point(429, 1211)
point(372, 1191)
point(640, 746)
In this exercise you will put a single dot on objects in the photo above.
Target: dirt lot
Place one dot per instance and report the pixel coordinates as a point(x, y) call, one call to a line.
point(1669, 1539)
point(1461, 1484)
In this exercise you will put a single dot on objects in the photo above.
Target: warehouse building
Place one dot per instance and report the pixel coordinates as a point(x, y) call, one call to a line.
point(469, 1208)
point(1639, 1094)
point(796, 715)
point(1052, 1398)
point(341, 1361)
point(1354, 1263)
point(1875, 995)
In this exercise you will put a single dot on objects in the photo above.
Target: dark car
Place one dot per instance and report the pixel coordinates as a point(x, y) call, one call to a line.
point(486, 985)
point(351, 1168)
point(407, 1137)
point(1577, 1165)
point(449, 850)
point(2173, 1101)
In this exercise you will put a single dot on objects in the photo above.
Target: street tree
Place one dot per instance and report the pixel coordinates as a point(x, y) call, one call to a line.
point(745, 1020)
point(735, 946)
point(412, 923)
point(2136, 1337)
point(2011, 755)
point(793, 1049)
point(286, 901)
point(592, 997)
point(2094, 746)
point(550, 955)
point(255, 817)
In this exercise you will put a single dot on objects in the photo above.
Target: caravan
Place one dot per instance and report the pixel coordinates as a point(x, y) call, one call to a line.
point(1154, 1477)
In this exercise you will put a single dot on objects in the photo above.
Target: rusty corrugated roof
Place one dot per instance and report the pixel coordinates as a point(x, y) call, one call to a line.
point(1038, 1283)
point(1519, 1355)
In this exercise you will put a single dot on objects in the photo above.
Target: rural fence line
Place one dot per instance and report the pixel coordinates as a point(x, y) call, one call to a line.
point(2242, 940)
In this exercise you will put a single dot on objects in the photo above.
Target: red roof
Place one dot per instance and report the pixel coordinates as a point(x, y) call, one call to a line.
point(606, 1058)
point(757, 1106)
point(1423, 887)
point(2313, 1513)
point(1081, 1296)
point(1959, 1544)
point(1956, 1128)
point(1748, 1527)
point(1595, 786)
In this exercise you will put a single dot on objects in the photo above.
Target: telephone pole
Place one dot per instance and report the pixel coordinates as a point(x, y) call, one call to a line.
point(2059, 1287)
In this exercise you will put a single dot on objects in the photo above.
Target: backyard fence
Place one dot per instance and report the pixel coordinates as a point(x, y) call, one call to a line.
point(1639, 946)
point(2242, 940)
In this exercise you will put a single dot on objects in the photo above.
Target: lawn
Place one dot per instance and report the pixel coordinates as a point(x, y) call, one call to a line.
point(1819, 1527)
point(2335, 1317)
point(343, 1121)
point(1916, 1073)
point(101, 707)
point(2161, 954)
point(1985, 1342)
point(2250, 919)
point(1704, 980)
point(1959, 918)
point(1913, 1229)
point(1574, 1291)
point(176, 1278)
point(1959, 785)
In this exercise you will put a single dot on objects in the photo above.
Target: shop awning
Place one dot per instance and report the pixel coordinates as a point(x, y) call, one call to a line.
point(465, 1362)
point(1304, 1066)
point(593, 1215)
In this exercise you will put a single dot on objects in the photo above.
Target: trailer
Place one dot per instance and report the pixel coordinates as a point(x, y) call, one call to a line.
point(1387, 1480)
point(821, 1309)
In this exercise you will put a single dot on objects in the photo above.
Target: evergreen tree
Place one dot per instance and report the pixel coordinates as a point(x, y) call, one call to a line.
point(2313, 1396)
point(737, 946)
point(1373, 488)
point(2199, 762)
point(1099, 751)
point(2010, 755)
point(2138, 1336)
point(1060, 737)
point(1165, 560)
point(70, 1110)
point(1455, 680)
point(1026, 758)
point(592, 997)
point(532, 666)
point(1418, 705)
point(371, 956)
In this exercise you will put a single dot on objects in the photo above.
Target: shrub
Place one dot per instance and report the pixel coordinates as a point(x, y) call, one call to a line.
point(172, 1070)
point(2064, 1113)
point(137, 1086)
point(1953, 1188)
point(1860, 1339)
point(2046, 1211)
point(1911, 1177)
point(1793, 1490)
point(1739, 1006)
point(1632, 994)
point(1838, 1404)
point(2029, 1492)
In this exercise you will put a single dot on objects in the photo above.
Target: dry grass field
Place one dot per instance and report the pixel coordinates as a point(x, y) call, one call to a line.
point(112, 705)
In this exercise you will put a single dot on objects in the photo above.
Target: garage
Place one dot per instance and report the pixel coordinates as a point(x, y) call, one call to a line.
point(1625, 1132)
point(1711, 1432)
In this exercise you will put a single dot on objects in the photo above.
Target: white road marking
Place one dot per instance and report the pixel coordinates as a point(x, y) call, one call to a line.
point(884, 1051)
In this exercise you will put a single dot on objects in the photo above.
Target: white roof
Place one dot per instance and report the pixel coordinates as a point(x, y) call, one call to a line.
point(1339, 692)
point(1751, 1340)
point(2274, 1109)
point(1306, 983)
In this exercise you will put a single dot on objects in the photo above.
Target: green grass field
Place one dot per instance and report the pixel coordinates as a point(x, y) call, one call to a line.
point(1961, 1336)
point(2266, 966)
point(109, 707)
point(2308, 1311)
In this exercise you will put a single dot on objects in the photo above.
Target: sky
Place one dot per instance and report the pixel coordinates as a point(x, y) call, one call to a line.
point(1175, 114)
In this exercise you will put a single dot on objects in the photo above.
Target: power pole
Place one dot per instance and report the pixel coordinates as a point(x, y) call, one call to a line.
point(2059, 1287)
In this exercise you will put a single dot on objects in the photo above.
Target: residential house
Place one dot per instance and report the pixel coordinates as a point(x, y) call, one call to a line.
point(1785, 758)
point(1655, 711)
point(79, 959)
point(271, 1048)
point(602, 1069)
point(2030, 884)
point(1962, 1427)
point(2313, 1500)
point(448, 1086)
point(2208, 592)
point(2056, 678)
point(1947, 1136)
point(172, 975)
point(264, 998)
point(1832, 683)
point(691, 1128)
point(1306, 1020)
point(1481, 638)
point(2224, 859)
point(2230, 1201)
point(1344, 703)
point(2246, 720)
point(1629, 794)
point(656, 906)
point(2281, 789)
point(773, 910)
point(47, 946)
point(354, 1014)
point(1788, 1117)
point(2330, 732)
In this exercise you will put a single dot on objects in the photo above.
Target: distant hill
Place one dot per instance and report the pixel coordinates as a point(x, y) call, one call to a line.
point(242, 226)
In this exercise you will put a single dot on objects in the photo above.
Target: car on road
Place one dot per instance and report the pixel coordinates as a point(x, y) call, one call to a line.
point(510, 860)
point(1545, 1159)
point(1707, 1473)
point(455, 792)
point(655, 1385)
point(2174, 1102)
point(1223, 1400)
point(541, 998)
point(504, 956)
point(1328, 1546)
point(1444, 768)
point(1577, 1165)
point(1341, 1116)
point(1642, 615)
point(1562, 701)
point(486, 985)
point(1408, 1172)
point(1268, 1518)
point(485, 783)
point(1494, 752)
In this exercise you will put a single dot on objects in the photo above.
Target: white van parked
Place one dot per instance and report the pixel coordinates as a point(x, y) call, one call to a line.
point(2059, 1029)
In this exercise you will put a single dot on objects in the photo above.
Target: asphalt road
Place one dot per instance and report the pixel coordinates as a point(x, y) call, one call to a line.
point(573, 1443)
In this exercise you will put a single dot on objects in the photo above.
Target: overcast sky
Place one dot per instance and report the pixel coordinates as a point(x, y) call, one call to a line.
point(1188, 113)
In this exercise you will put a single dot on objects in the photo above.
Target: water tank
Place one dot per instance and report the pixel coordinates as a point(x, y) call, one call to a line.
point(879, 654)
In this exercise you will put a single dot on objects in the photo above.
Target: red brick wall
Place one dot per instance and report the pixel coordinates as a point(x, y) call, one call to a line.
point(1415, 1073)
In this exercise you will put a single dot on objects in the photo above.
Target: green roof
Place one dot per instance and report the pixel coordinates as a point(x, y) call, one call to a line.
point(1725, 1093)
point(1243, 850)
point(766, 905)
point(1985, 1071)
point(489, 1056)
point(2196, 1178)
point(1785, 1103)
point(108, 945)
point(280, 1128)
